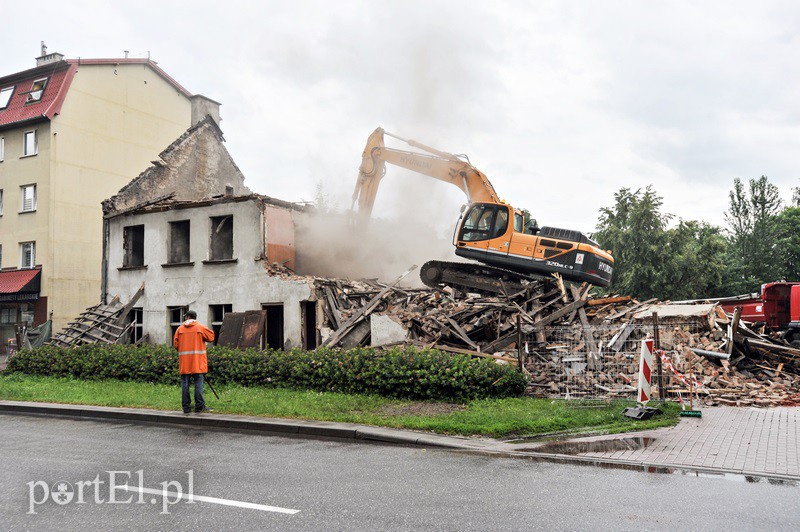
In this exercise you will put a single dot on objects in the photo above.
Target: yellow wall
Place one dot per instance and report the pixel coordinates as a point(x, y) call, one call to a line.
point(114, 121)
point(15, 171)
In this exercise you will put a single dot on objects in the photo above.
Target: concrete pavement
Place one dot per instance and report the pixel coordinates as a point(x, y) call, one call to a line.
point(744, 441)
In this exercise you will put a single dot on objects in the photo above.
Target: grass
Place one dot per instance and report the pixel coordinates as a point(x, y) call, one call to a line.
point(499, 418)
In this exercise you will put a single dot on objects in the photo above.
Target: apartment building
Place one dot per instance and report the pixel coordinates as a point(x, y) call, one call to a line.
point(72, 133)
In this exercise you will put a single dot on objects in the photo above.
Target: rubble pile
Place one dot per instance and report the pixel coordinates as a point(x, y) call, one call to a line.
point(571, 343)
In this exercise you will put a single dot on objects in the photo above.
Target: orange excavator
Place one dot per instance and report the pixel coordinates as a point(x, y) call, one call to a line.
point(489, 231)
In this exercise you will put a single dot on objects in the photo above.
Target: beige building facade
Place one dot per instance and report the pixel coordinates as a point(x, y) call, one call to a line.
point(72, 133)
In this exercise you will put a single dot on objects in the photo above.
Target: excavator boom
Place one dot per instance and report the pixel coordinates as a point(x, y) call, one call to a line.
point(437, 164)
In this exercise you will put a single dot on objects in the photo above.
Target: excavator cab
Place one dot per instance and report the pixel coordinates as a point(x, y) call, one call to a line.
point(485, 234)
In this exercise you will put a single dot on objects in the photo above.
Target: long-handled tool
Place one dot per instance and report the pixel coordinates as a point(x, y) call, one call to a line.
point(208, 381)
point(691, 412)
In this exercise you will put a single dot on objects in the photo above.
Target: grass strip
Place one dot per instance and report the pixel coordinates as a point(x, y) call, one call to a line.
point(498, 418)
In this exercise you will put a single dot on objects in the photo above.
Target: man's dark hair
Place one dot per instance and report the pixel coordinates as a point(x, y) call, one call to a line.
point(190, 315)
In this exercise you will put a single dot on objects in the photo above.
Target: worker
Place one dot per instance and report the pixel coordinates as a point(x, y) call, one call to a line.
point(190, 341)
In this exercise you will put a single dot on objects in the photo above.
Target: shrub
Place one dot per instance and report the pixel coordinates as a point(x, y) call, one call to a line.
point(401, 373)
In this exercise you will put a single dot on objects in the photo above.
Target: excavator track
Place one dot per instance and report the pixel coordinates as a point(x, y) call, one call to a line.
point(472, 277)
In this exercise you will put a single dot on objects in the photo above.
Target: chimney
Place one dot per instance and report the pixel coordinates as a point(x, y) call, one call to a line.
point(202, 106)
point(46, 59)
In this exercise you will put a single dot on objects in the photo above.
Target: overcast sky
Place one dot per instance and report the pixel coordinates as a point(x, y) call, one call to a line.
point(561, 104)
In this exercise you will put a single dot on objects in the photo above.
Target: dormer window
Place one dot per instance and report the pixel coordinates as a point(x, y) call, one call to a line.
point(5, 96)
point(37, 90)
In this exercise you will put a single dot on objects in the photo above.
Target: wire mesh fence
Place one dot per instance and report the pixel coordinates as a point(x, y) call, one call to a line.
point(601, 362)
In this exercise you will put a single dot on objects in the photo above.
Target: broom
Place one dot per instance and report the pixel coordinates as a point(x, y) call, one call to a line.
point(691, 412)
point(208, 381)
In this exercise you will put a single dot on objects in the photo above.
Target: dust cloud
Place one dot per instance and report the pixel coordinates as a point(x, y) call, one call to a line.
point(332, 245)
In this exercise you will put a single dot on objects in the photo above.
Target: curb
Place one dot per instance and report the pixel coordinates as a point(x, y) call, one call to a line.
point(351, 432)
point(273, 426)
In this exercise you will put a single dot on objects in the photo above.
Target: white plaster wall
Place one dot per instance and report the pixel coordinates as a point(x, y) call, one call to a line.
point(244, 284)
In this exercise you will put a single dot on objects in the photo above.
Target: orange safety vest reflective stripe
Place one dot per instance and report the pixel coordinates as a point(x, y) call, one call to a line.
point(190, 341)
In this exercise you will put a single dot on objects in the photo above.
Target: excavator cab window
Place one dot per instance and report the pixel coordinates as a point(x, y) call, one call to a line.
point(519, 224)
point(483, 222)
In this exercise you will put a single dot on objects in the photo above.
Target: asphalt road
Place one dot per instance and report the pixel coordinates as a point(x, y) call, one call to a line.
point(344, 486)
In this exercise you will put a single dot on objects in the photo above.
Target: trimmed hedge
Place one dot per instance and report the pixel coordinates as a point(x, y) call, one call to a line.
point(401, 373)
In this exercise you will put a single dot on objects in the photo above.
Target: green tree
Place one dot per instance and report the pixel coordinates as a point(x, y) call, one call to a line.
point(697, 261)
point(634, 229)
point(789, 242)
point(753, 252)
point(652, 260)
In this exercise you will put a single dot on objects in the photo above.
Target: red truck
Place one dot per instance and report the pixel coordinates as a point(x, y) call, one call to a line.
point(778, 306)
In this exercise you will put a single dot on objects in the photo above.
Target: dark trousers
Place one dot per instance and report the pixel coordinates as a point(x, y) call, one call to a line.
point(186, 400)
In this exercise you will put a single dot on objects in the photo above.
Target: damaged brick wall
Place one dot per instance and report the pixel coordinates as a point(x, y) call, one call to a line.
point(196, 166)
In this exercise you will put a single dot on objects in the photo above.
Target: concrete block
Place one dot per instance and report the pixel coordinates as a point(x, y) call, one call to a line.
point(385, 329)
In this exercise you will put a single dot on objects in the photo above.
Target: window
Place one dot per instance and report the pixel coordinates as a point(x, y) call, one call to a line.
point(37, 90)
point(27, 198)
point(221, 246)
point(175, 315)
point(27, 254)
point(1, 202)
point(5, 96)
point(8, 316)
point(133, 246)
point(26, 315)
point(2, 148)
point(179, 242)
point(30, 144)
point(136, 319)
point(484, 221)
point(217, 317)
point(518, 223)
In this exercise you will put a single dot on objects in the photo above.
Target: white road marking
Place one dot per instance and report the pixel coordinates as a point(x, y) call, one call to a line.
point(213, 500)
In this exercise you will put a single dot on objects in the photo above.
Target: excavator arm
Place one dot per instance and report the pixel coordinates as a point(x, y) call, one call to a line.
point(437, 164)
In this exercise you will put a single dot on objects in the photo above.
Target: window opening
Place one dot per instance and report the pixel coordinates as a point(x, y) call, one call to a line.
point(5, 96)
point(179, 242)
point(221, 246)
point(37, 90)
point(28, 198)
point(217, 317)
point(27, 252)
point(30, 144)
point(175, 315)
point(133, 246)
point(136, 321)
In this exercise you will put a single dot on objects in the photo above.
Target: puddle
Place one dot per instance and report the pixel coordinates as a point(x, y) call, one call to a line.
point(595, 446)
point(634, 443)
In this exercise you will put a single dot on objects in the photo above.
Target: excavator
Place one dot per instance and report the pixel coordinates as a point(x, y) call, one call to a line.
point(509, 252)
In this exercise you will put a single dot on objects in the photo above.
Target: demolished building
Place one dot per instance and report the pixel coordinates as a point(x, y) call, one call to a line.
point(190, 232)
point(195, 236)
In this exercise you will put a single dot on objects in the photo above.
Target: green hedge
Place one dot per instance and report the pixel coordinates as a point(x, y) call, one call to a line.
point(401, 373)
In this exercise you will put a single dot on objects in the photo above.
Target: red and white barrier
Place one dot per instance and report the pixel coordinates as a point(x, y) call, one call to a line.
point(645, 370)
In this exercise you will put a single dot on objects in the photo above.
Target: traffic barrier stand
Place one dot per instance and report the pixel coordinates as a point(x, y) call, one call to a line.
point(643, 390)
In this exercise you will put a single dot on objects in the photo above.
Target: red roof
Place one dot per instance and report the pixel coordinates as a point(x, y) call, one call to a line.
point(59, 77)
point(14, 281)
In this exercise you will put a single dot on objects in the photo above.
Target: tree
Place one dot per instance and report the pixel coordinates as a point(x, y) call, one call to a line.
point(652, 260)
point(753, 226)
point(697, 261)
point(635, 230)
point(789, 243)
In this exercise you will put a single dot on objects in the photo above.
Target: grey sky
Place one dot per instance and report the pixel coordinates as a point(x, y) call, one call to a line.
point(560, 103)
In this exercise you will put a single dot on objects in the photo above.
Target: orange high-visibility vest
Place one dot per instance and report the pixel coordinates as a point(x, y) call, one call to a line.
point(190, 341)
